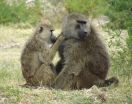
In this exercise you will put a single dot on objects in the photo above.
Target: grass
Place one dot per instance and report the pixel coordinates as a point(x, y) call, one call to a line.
point(11, 43)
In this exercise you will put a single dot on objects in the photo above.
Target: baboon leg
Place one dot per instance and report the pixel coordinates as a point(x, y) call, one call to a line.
point(66, 78)
point(43, 77)
point(55, 47)
point(64, 81)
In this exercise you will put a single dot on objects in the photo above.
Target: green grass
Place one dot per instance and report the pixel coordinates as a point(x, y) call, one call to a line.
point(11, 78)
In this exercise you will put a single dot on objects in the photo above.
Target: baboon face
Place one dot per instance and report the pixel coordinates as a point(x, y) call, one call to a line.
point(75, 26)
point(81, 29)
point(45, 33)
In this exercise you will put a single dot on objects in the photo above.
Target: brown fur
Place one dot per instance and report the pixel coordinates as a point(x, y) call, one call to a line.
point(86, 62)
point(37, 56)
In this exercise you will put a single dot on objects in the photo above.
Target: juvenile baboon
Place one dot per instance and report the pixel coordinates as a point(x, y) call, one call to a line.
point(37, 56)
point(84, 59)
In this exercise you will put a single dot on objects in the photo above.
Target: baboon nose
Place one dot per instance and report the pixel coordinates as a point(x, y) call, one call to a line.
point(85, 32)
point(82, 35)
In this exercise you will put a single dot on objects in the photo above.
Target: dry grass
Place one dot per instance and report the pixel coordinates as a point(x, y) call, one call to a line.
point(11, 43)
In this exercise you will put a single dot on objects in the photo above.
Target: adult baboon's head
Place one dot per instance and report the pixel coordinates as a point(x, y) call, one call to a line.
point(76, 26)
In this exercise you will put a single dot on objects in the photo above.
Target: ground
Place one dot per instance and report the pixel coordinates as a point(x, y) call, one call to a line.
point(12, 40)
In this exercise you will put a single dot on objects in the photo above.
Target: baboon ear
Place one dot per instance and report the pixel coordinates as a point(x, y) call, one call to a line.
point(40, 29)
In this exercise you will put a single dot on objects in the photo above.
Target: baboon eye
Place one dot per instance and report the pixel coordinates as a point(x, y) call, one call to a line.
point(40, 29)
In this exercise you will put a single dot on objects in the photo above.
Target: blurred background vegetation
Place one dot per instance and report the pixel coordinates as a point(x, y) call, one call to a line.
point(118, 11)
point(18, 12)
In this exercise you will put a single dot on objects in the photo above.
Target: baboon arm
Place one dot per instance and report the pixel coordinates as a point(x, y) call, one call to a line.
point(41, 58)
point(34, 64)
point(55, 47)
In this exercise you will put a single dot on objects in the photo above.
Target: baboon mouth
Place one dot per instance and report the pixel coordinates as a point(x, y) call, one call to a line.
point(82, 37)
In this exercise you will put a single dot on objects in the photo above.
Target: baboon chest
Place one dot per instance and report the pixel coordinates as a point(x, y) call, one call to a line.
point(82, 52)
point(72, 50)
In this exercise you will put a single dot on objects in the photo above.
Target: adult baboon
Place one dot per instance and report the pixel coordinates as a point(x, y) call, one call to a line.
point(37, 56)
point(84, 59)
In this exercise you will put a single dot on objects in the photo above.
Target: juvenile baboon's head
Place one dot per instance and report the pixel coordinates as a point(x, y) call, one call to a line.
point(44, 32)
point(76, 26)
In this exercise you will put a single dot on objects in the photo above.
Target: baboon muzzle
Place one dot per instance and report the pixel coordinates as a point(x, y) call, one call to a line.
point(82, 34)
